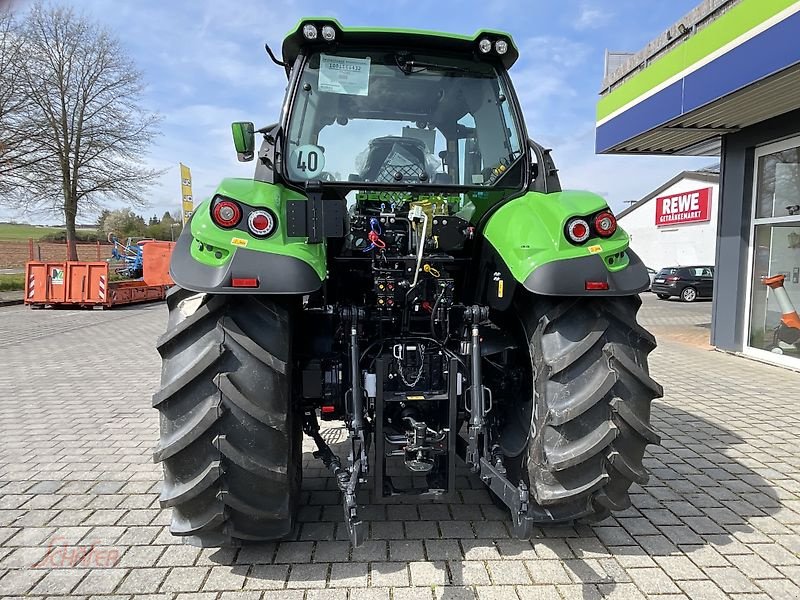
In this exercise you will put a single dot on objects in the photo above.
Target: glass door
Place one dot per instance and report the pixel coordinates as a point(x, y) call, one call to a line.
point(773, 324)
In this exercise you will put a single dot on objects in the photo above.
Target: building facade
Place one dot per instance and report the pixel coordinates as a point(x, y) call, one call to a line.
point(725, 80)
point(676, 224)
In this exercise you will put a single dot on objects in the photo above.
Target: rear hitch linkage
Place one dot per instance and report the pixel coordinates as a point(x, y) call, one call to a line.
point(347, 480)
point(359, 429)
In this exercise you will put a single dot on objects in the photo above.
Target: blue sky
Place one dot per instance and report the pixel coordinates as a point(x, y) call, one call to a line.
point(205, 66)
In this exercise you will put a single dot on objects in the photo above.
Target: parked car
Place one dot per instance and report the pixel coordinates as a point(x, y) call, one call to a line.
point(688, 283)
point(652, 273)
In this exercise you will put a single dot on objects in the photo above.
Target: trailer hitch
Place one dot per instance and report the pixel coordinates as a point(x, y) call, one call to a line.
point(347, 480)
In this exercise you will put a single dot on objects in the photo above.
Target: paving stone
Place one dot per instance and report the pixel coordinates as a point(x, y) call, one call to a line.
point(184, 579)
point(707, 590)
point(349, 575)
point(653, 581)
point(425, 573)
point(496, 592)
point(59, 582)
point(679, 567)
point(547, 571)
point(308, 576)
point(225, 578)
point(142, 581)
point(406, 550)
point(443, 549)
point(100, 581)
point(388, 574)
point(538, 592)
point(266, 577)
point(294, 552)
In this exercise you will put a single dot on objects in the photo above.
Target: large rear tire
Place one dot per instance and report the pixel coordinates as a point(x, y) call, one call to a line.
point(592, 394)
point(231, 439)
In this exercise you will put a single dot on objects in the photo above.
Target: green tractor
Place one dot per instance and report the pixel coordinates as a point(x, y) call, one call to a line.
point(404, 261)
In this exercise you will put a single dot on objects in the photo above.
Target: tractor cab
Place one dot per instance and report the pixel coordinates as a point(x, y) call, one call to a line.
point(372, 110)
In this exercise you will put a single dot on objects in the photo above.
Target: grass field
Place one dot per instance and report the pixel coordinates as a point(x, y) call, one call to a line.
point(12, 282)
point(13, 232)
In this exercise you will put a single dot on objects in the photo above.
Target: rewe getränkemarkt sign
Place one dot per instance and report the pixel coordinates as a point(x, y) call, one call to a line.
point(687, 207)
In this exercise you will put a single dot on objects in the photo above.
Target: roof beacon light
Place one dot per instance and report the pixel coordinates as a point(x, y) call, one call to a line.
point(310, 32)
point(328, 33)
point(485, 46)
point(501, 46)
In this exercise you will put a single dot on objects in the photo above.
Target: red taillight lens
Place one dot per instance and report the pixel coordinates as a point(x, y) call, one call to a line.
point(605, 224)
point(244, 282)
point(261, 223)
point(578, 230)
point(673, 278)
point(596, 285)
point(226, 213)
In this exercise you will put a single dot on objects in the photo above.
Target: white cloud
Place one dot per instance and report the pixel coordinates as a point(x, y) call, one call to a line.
point(591, 17)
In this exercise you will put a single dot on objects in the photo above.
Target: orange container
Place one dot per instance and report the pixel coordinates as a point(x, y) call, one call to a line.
point(76, 283)
point(155, 262)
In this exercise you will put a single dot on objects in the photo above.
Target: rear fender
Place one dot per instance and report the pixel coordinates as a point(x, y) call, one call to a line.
point(528, 236)
point(206, 257)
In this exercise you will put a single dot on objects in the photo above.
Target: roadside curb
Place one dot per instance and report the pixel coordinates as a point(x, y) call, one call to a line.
point(11, 302)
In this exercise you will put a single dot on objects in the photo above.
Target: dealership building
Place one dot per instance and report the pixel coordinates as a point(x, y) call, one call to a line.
point(724, 81)
point(676, 224)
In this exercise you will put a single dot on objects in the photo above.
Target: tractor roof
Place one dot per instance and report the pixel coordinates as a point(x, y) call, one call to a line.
point(398, 39)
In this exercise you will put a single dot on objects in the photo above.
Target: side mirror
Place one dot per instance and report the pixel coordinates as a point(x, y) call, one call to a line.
point(244, 140)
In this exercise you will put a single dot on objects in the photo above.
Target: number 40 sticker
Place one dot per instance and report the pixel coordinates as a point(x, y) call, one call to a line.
point(306, 162)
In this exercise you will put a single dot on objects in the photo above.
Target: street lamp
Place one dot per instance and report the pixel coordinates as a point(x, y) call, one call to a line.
point(172, 227)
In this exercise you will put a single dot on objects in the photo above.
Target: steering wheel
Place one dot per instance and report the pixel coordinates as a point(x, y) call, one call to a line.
point(326, 176)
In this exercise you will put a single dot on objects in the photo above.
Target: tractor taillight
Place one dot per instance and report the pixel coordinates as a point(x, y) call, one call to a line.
point(226, 213)
point(596, 286)
point(605, 224)
point(261, 223)
point(244, 282)
point(578, 230)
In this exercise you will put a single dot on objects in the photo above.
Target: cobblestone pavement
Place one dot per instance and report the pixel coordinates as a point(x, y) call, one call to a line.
point(719, 518)
point(689, 323)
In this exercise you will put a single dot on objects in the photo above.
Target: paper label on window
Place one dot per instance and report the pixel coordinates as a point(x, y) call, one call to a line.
point(344, 75)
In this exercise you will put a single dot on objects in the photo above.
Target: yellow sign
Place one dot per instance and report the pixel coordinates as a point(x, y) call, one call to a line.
point(239, 242)
point(595, 249)
point(187, 201)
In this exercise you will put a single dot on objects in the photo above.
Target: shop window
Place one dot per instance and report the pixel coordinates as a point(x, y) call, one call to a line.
point(775, 283)
point(778, 193)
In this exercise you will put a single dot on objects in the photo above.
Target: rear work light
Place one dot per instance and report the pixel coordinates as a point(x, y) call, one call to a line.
point(226, 213)
point(605, 224)
point(578, 230)
point(261, 223)
point(310, 32)
point(328, 33)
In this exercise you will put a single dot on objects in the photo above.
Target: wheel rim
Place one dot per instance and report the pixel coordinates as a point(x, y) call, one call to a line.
point(689, 294)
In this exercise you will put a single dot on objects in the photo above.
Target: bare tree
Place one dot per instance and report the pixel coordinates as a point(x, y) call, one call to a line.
point(92, 132)
point(15, 134)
